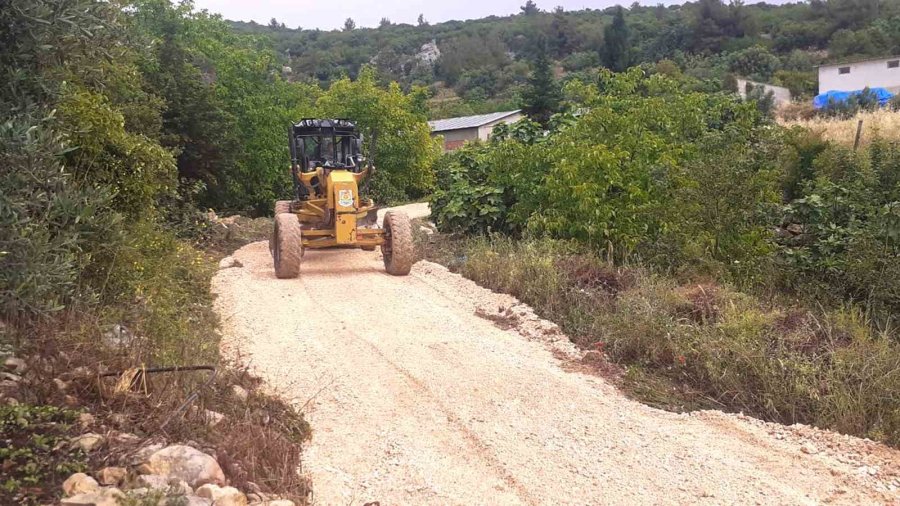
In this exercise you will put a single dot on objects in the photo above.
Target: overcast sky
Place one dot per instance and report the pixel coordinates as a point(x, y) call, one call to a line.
point(330, 14)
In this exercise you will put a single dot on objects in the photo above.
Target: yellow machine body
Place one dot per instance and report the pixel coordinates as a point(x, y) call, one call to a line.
point(334, 215)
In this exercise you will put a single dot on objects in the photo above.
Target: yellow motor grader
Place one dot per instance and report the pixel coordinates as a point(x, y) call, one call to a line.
point(327, 211)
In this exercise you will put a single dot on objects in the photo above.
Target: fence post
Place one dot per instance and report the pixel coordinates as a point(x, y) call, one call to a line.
point(858, 134)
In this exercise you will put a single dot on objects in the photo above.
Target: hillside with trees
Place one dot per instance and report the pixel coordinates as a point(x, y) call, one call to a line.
point(484, 64)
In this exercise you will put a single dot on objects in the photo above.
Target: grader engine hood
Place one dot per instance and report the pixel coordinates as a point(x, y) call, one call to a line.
point(344, 199)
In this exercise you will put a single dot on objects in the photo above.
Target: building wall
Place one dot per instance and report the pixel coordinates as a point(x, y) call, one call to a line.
point(872, 73)
point(484, 132)
point(454, 139)
point(782, 95)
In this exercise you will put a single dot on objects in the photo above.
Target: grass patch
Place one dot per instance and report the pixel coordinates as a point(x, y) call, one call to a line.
point(34, 452)
point(879, 124)
point(687, 345)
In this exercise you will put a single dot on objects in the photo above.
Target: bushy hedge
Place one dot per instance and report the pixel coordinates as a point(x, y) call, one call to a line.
point(691, 183)
point(648, 169)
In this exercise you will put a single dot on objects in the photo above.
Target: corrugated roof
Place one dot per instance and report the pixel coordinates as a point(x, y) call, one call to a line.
point(441, 125)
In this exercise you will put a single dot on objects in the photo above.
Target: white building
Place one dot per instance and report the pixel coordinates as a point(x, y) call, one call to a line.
point(852, 76)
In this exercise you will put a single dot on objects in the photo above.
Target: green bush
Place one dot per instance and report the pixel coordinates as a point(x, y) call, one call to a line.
point(847, 216)
point(648, 169)
point(51, 229)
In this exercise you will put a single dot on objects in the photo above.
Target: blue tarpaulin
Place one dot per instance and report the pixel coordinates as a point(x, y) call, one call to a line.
point(823, 99)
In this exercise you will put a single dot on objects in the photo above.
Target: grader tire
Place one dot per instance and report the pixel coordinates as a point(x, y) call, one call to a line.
point(281, 206)
point(398, 250)
point(286, 246)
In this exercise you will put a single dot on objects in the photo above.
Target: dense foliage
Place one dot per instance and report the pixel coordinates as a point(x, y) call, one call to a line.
point(688, 182)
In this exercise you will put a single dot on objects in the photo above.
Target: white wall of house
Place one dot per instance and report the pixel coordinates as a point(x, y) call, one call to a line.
point(780, 94)
point(881, 73)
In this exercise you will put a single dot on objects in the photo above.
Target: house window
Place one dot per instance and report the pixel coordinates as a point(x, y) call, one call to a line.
point(843, 70)
point(892, 64)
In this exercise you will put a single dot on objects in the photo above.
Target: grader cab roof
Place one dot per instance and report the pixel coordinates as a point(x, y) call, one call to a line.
point(313, 126)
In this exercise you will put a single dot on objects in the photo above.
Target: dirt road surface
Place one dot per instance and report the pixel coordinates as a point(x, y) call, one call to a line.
point(428, 389)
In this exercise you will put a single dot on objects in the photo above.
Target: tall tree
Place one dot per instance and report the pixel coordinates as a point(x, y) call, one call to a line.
point(530, 8)
point(616, 54)
point(349, 25)
point(422, 21)
point(542, 97)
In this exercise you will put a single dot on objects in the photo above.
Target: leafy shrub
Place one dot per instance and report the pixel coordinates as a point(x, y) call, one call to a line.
point(848, 217)
point(647, 168)
point(51, 231)
point(491, 187)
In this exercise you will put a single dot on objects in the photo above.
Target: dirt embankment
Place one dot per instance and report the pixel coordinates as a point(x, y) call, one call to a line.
point(418, 396)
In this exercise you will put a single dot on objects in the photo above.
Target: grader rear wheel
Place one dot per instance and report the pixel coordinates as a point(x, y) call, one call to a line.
point(286, 246)
point(397, 249)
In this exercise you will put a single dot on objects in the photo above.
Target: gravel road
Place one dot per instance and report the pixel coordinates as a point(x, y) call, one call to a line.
point(428, 389)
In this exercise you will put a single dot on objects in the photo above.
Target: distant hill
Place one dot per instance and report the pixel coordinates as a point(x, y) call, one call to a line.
point(478, 65)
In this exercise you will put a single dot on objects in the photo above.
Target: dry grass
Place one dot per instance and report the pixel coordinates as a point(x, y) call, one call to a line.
point(882, 123)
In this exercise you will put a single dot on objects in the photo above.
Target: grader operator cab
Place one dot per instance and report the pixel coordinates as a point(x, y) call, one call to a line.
point(327, 211)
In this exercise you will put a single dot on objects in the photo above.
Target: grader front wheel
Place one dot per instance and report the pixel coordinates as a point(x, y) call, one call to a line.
point(397, 249)
point(286, 246)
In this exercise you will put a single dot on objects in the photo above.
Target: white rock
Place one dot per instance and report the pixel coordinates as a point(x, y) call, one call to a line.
point(103, 497)
point(240, 392)
point(142, 455)
point(222, 496)
point(229, 262)
point(80, 483)
point(112, 475)
point(61, 385)
point(212, 418)
point(118, 336)
point(15, 364)
point(88, 442)
point(193, 500)
point(184, 463)
point(425, 230)
point(8, 376)
point(809, 448)
point(164, 483)
point(86, 419)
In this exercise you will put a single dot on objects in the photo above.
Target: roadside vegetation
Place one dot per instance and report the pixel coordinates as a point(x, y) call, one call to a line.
point(709, 251)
